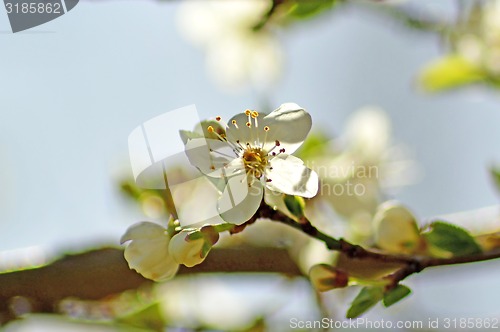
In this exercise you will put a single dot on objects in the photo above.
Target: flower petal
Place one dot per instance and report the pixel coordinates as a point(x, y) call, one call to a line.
point(289, 124)
point(210, 156)
point(290, 176)
point(239, 202)
point(147, 252)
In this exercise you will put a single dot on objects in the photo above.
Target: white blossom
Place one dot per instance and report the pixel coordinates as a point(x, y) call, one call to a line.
point(156, 254)
point(252, 155)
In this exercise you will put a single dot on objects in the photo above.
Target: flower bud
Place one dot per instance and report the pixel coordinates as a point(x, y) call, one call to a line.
point(325, 277)
point(396, 229)
point(147, 251)
point(190, 247)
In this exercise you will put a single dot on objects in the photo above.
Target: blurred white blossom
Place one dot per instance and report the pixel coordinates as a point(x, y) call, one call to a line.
point(356, 171)
point(479, 43)
point(237, 55)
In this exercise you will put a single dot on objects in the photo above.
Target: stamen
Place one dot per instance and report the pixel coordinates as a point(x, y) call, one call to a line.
point(221, 137)
point(266, 129)
point(235, 124)
point(276, 144)
point(223, 154)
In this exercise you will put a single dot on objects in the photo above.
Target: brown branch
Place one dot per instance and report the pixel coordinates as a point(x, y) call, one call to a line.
point(99, 273)
point(410, 264)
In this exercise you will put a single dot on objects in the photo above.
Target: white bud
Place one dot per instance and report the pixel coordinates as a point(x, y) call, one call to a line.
point(147, 251)
point(190, 247)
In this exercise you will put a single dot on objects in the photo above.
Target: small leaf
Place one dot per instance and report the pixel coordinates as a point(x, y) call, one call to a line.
point(451, 238)
point(295, 204)
point(450, 72)
point(223, 227)
point(303, 9)
point(396, 294)
point(367, 298)
point(150, 317)
point(495, 173)
point(315, 145)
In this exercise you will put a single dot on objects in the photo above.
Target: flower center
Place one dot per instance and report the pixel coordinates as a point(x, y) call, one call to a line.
point(255, 161)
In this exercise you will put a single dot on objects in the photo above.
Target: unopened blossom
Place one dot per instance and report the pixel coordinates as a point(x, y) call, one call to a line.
point(190, 247)
point(251, 156)
point(156, 252)
point(147, 251)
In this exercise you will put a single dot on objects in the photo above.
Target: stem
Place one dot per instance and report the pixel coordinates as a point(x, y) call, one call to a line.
point(410, 264)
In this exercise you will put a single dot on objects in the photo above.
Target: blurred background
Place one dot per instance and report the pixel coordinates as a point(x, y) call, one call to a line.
point(73, 89)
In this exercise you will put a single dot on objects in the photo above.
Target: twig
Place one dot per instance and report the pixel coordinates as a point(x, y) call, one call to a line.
point(96, 274)
point(411, 264)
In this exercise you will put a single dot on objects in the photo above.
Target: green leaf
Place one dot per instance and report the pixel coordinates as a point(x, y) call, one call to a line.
point(367, 298)
point(303, 9)
point(396, 294)
point(295, 204)
point(150, 317)
point(450, 72)
point(495, 173)
point(451, 238)
point(315, 145)
point(223, 227)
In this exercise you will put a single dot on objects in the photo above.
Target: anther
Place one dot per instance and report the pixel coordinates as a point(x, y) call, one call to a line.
point(266, 128)
point(248, 112)
point(218, 118)
point(210, 129)
point(248, 124)
point(269, 180)
point(277, 143)
point(255, 114)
